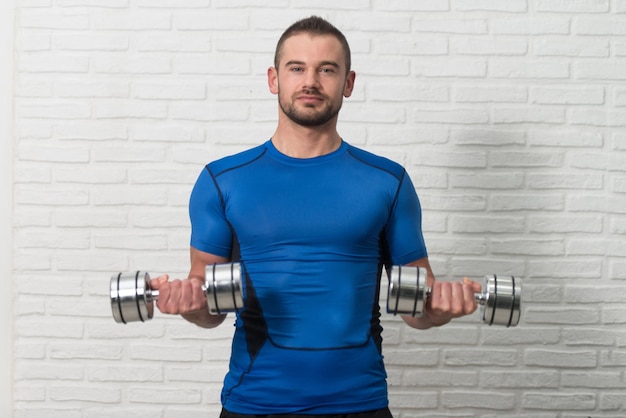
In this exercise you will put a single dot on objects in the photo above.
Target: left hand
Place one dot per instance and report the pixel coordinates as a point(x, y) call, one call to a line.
point(450, 300)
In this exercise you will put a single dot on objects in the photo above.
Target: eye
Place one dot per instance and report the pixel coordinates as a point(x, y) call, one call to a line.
point(328, 70)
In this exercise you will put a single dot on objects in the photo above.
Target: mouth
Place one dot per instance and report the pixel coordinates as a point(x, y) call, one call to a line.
point(310, 99)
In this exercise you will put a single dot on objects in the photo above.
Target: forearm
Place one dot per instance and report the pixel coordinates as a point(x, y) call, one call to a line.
point(204, 319)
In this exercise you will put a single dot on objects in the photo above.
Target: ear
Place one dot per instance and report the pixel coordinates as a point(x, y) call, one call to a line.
point(272, 80)
point(349, 86)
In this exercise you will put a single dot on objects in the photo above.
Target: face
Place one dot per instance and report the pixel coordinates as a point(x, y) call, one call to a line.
point(311, 79)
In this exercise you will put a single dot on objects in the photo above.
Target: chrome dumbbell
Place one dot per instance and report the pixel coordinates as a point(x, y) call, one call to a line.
point(500, 298)
point(132, 299)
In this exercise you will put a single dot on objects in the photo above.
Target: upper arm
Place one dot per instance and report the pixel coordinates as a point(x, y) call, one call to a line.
point(201, 259)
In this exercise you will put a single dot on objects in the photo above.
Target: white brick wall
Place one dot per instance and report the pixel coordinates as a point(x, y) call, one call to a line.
point(6, 203)
point(509, 115)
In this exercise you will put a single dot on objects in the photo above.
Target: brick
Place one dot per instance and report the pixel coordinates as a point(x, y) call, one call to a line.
point(179, 42)
point(121, 109)
point(145, 63)
point(588, 337)
point(565, 269)
point(558, 181)
point(51, 197)
point(485, 46)
point(598, 118)
point(450, 67)
point(408, 92)
point(37, 370)
point(531, 25)
point(450, 335)
point(439, 378)
point(133, 154)
point(559, 401)
point(519, 379)
point(475, 357)
point(531, 335)
point(578, 6)
point(91, 130)
point(491, 94)
point(593, 294)
point(169, 395)
point(456, 26)
point(560, 359)
point(508, 159)
point(45, 62)
point(482, 224)
point(484, 399)
point(137, 21)
point(33, 86)
point(565, 138)
point(33, 41)
point(90, 42)
point(427, 5)
point(152, 373)
point(174, 3)
point(486, 181)
point(599, 25)
point(75, 88)
point(174, 90)
point(61, 351)
point(136, 241)
point(55, 20)
point(211, 64)
point(528, 247)
point(562, 316)
point(550, 202)
point(208, 113)
point(613, 316)
point(54, 110)
point(529, 69)
point(612, 358)
point(513, 6)
point(550, 224)
point(572, 48)
point(593, 70)
point(528, 115)
point(166, 133)
point(99, 394)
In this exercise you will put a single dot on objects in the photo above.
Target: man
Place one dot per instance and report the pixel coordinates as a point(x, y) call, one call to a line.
point(314, 220)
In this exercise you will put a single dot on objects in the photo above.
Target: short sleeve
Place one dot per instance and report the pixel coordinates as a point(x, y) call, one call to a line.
point(210, 230)
point(404, 235)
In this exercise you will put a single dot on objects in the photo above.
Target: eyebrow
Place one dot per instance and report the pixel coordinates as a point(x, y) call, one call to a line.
point(322, 64)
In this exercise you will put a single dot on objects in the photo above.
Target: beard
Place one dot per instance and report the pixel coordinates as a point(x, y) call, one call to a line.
point(309, 117)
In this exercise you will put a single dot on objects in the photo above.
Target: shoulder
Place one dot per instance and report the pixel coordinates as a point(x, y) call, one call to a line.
point(377, 162)
point(234, 161)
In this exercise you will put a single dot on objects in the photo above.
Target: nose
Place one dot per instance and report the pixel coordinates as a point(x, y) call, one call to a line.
point(311, 79)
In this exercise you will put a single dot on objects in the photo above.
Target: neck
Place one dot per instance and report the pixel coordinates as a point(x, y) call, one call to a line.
point(298, 141)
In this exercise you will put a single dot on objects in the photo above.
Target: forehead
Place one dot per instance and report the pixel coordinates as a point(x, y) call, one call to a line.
point(311, 49)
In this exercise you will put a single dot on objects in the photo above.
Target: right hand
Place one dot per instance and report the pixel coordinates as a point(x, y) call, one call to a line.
point(179, 297)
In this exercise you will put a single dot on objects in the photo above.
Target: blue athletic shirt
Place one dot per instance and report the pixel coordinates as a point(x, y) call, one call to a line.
point(312, 236)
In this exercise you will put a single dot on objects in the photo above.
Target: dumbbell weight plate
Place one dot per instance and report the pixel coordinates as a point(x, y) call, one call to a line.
point(131, 299)
point(223, 288)
point(501, 300)
point(407, 290)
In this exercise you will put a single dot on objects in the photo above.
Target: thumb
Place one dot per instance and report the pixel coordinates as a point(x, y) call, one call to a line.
point(158, 281)
point(476, 287)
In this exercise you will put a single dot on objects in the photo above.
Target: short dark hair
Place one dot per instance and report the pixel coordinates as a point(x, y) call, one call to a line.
point(315, 26)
